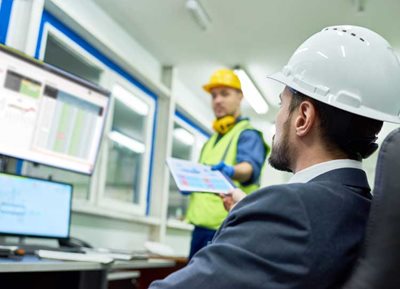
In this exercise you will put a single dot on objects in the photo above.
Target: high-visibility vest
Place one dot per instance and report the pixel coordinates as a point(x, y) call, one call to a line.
point(205, 209)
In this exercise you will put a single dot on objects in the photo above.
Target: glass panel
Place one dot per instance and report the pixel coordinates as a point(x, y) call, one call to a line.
point(128, 122)
point(123, 174)
point(182, 148)
point(125, 152)
point(60, 55)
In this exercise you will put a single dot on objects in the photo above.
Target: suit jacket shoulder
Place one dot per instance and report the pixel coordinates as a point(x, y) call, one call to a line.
point(284, 237)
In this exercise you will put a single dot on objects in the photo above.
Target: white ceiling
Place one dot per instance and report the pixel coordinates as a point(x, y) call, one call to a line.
point(259, 35)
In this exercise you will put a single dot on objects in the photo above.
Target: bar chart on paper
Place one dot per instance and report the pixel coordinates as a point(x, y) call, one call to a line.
point(195, 177)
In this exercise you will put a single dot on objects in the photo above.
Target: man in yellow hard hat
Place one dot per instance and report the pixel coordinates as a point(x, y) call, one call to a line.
point(236, 149)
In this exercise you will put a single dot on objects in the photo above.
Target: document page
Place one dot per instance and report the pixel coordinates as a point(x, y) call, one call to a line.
point(195, 177)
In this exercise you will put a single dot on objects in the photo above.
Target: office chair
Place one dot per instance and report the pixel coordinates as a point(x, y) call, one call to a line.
point(379, 267)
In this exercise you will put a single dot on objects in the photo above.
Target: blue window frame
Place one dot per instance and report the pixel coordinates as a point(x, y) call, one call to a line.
point(48, 18)
point(5, 12)
point(185, 119)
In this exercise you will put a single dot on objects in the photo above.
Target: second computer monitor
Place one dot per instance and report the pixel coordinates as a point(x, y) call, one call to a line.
point(34, 207)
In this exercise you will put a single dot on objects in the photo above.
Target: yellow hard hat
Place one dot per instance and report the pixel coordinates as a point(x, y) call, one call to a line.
point(223, 77)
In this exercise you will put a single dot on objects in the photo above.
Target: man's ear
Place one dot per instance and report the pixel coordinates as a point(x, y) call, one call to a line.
point(240, 93)
point(305, 119)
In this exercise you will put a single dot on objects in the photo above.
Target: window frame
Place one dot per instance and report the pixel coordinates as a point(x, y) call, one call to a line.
point(112, 75)
point(48, 28)
point(109, 203)
point(201, 136)
point(6, 7)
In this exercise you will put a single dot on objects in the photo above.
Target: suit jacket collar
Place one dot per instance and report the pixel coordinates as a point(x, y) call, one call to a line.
point(313, 171)
point(347, 176)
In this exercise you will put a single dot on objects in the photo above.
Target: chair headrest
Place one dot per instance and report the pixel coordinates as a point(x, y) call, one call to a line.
point(379, 267)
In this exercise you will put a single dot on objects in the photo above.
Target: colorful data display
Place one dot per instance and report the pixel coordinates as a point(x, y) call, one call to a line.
point(49, 116)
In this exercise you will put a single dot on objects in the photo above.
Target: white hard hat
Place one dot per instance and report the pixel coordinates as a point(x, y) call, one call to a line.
point(348, 67)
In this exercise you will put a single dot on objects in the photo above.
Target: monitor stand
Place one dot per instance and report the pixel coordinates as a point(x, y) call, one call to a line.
point(72, 242)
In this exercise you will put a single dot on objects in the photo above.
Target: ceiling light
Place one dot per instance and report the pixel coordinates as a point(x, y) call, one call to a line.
point(184, 136)
point(251, 93)
point(127, 142)
point(198, 13)
point(130, 100)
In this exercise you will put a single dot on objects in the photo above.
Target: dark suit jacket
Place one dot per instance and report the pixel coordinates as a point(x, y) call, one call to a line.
point(292, 236)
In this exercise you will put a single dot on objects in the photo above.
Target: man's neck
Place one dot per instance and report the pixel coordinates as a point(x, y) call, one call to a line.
point(313, 156)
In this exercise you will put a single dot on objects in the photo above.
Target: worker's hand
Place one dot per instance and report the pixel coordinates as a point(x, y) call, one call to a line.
point(224, 168)
point(231, 198)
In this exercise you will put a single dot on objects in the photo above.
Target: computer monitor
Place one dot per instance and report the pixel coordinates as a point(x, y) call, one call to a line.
point(49, 116)
point(34, 207)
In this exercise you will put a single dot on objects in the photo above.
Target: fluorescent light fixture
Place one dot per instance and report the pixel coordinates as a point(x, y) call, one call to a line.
point(198, 13)
point(130, 100)
point(127, 142)
point(251, 92)
point(183, 136)
point(343, 50)
point(323, 55)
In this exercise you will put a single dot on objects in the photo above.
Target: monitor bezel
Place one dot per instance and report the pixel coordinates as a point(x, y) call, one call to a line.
point(70, 209)
point(71, 77)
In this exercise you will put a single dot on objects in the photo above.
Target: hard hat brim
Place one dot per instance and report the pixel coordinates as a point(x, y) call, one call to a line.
point(209, 86)
point(362, 111)
point(277, 76)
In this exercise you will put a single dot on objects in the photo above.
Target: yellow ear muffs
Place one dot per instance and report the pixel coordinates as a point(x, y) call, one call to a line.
point(224, 124)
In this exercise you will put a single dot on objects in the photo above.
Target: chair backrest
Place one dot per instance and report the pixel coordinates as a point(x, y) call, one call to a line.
point(379, 267)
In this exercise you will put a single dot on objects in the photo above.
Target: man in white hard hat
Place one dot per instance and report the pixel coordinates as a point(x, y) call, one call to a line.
point(340, 85)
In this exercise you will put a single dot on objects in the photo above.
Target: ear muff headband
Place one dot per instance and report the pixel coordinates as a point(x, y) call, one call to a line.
point(224, 124)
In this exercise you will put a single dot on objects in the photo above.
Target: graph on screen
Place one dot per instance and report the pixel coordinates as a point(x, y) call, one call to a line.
point(34, 207)
point(49, 116)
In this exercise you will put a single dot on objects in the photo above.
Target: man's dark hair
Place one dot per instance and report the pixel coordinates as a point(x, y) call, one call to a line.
point(352, 134)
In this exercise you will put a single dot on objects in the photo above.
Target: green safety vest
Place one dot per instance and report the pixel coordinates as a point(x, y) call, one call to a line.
point(207, 210)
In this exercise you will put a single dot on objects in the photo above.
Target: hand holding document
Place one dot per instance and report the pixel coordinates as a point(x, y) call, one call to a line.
point(231, 198)
point(195, 177)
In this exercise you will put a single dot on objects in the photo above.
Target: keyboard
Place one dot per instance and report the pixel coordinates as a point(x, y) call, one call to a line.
point(69, 256)
point(31, 249)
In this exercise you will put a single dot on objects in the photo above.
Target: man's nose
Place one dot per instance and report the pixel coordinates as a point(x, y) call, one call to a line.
point(217, 98)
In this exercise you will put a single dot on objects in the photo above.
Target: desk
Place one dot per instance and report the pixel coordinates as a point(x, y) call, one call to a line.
point(148, 275)
point(31, 272)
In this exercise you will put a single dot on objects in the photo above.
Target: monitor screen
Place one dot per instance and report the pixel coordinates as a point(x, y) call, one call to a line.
point(34, 207)
point(49, 116)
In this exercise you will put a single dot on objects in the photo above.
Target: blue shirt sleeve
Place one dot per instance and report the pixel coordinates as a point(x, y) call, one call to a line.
point(251, 149)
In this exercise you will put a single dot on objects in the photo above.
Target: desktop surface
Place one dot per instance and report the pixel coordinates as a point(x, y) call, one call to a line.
point(32, 263)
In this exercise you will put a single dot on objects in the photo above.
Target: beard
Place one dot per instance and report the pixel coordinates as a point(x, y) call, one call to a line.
point(280, 153)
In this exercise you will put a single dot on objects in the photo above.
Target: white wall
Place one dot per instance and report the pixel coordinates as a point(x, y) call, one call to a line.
point(109, 233)
point(196, 106)
point(179, 241)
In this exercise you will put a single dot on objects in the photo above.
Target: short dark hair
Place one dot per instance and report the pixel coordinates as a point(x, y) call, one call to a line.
point(352, 134)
